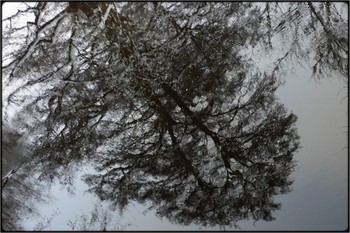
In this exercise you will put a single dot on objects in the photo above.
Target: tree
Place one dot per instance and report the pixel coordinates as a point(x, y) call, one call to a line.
point(312, 33)
point(100, 220)
point(12, 151)
point(20, 193)
point(161, 98)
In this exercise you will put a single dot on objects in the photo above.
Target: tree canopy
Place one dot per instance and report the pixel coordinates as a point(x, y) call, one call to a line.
point(163, 100)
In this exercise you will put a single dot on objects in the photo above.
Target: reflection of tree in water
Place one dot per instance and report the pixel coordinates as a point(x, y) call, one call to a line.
point(207, 166)
point(20, 193)
point(161, 99)
point(100, 219)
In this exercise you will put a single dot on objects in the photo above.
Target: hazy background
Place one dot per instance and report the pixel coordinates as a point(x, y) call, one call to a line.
point(319, 200)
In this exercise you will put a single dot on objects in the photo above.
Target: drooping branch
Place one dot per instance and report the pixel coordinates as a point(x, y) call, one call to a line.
point(18, 62)
point(319, 18)
point(171, 92)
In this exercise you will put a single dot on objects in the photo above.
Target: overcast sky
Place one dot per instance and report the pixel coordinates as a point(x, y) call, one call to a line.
point(319, 200)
